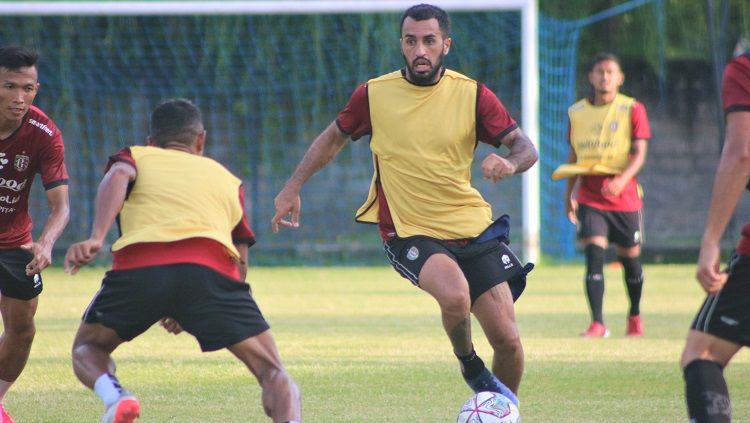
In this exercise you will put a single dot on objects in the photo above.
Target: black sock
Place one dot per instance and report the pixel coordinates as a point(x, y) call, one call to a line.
point(706, 392)
point(633, 282)
point(472, 364)
point(595, 280)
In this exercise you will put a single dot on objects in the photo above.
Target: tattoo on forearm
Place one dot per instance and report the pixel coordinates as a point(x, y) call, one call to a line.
point(523, 154)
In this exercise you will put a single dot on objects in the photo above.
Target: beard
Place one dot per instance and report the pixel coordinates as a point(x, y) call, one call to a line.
point(423, 78)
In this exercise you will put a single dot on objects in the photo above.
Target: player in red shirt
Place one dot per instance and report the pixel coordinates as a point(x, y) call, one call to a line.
point(722, 326)
point(424, 122)
point(30, 143)
point(181, 259)
point(607, 207)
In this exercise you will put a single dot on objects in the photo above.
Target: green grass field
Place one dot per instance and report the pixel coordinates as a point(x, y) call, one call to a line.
point(365, 346)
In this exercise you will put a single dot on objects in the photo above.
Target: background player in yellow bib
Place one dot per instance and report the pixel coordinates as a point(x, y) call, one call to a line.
point(424, 121)
point(608, 142)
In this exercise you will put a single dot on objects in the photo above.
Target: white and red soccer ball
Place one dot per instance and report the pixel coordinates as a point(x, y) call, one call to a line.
point(488, 407)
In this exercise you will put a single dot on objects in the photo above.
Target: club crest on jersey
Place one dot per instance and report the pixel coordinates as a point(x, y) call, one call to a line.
point(21, 162)
point(613, 127)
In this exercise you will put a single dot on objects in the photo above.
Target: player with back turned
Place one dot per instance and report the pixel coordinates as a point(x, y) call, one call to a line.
point(180, 258)
point(30, 143)
point(722, 326)
point(424, 121)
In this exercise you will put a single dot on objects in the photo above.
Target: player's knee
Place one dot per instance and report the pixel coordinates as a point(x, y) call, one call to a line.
point(506, 345)
point(456, 303)
point(699, 346)
point(275, 378)
point(79, 354)
point(21, 332)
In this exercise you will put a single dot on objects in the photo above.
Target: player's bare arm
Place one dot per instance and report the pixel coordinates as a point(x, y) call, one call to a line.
point(321, 152)
point(242, 248)
point(109, 200)
point(731, 177)
point(522, 156)
point(637, 159)
point(571, 205)
point(59, 214)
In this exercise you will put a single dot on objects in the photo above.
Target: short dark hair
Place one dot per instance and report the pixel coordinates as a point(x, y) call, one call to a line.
point(423, 12)
point(176, 120)
point(14, 57)
point(604, 57)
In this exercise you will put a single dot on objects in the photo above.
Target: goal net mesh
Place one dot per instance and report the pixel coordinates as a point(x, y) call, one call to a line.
point(267, 85)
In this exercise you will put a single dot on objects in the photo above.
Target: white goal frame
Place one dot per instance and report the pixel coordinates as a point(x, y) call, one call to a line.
point(529, 52)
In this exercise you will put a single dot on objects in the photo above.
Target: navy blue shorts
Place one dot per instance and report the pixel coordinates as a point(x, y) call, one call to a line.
point(622, 228)
point(726, 314)
point(484, 264)
point(217, 310)
point(14, 283)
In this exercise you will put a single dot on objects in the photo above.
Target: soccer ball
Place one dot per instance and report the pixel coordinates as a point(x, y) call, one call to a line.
point(488, 407)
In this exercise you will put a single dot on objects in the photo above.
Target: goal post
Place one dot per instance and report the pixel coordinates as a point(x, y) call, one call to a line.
point(530, 122)
point(529, 52)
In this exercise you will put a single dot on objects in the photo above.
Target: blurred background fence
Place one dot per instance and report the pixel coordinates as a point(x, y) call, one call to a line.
point(268, 84)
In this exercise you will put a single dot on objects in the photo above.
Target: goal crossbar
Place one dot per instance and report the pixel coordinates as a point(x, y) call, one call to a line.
point(237, 7)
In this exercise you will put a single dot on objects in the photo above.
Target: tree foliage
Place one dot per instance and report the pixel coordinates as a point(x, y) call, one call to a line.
point(634, 33)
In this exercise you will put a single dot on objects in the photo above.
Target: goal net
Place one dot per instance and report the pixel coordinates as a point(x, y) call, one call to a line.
point(268, 78)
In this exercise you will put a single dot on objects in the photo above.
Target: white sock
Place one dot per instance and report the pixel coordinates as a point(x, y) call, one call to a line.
point(4, 386)
point(108, 388)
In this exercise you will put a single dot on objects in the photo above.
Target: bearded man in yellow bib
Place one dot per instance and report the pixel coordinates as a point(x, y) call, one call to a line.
point(608, 137)
point(424, 121)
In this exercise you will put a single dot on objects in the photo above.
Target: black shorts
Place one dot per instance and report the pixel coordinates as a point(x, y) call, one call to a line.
point(217, 310)
point(726, 314)
point(14, 283)
point(622, 228)
point(484, 264)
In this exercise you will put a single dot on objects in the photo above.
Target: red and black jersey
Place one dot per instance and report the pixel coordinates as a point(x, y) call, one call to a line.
point(590, 186)
point(35, 147)
point(493, 120)
point(203, 251)
point(735, 92)
point(735, 95)
point(493, 124)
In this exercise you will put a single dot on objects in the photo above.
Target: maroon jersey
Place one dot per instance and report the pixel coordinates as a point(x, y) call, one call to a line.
point(735, 94)
point(493, 124)
point(35, 147)
point(590, 186)
point(493, 120)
